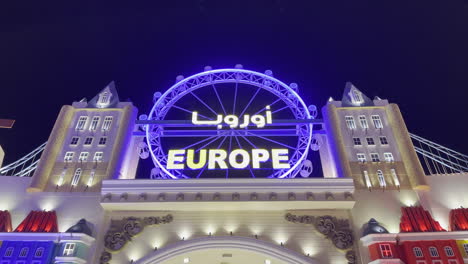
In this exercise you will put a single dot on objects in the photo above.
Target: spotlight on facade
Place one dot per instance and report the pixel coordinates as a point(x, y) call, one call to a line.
point(186, 260)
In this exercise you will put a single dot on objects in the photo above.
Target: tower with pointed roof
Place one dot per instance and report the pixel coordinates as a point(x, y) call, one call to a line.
point(370, 143)
point(89, 143)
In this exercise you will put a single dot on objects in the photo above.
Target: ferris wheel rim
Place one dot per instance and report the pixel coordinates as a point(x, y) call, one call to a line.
point(204, 83)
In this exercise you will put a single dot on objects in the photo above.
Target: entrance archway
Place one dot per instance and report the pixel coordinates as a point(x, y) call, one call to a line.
point(227, 249)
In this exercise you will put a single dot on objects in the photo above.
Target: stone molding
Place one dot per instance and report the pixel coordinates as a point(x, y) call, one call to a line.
point(338, 231)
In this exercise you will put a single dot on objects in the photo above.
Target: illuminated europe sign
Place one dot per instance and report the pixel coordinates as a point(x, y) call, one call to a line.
point(219, 123)
point(237, 158)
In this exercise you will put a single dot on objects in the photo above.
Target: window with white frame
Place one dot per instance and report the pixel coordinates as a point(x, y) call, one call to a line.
point(20, 262)
point(357, 141)
point(386, 250)
point(76, 177)
point(83, 156)
point(361, 157)
point(367, 179)
point(102, 141)
point(370, 141)
point(107, 123)
point(350, 122)
point(388, 157)
point(88, 141)
point(363, 122)
point(449, 251)
point(8, 252)
point(24, 252)
point(395, 177)
point(98, 156)
point(421, 262)
point(94, 123)
point(452, 261)
point(104, 99)
point(375, 157)
point(356, 97)
point(74, 141)
point(437, 261)
point(433, 251)
point(383, 140)
point(91, 178)
point(69, 249)
point(39, 252)
point(465, 247)
point(381, 178)
point(377, 122)
point(68, 156)
point(418, 252)
point(81, 123)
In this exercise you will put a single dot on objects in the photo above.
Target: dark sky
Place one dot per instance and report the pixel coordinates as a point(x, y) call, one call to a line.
point(414, 53)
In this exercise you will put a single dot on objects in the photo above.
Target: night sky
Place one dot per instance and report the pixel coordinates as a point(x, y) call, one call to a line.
point(414, 53)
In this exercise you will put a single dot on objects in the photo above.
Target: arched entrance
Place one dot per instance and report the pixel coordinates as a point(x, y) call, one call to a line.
point(227, 249)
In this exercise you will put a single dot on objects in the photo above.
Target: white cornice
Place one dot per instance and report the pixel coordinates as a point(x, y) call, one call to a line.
point(55, 237)
point(229, 185)
point(420, 236)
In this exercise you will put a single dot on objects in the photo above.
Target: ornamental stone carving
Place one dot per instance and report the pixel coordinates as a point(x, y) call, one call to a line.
point(122, 231)
point(337, 230)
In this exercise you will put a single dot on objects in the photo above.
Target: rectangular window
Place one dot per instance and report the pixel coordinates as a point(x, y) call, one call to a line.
point(24, 252)
point(395, 177)
point(76, 177)
point(381, 178)
point(363, 122)
point(69, 248)
point(94, 123)
point(357, 141)
point(102, 141)
point(39, 252)
point(350, 122)
point(421, 262)
point(81, 123)
point(74, 141)
point(68, 156)
point(107, 123)
point(366, 179)
point(388, 157)
point(383, 140)
point(370, 141)
point(433, 251)
point(88, 141)
point(83, 156)
point(8, 252)
point(98, 156)
point(377, 122)
point(361, 157)
point(375, 157)
point(386, 250)
point(465, 247)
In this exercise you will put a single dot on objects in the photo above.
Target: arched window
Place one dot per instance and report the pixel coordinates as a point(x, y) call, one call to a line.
point(357, 97)
point(449, 251)
point(9, 252)
point(418, 252)
point(39, 252)
point(24, 252)
point(433, 251)
point(76, 177)
point(381, 178)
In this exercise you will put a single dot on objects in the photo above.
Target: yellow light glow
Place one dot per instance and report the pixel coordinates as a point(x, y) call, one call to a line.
point(185, 234)
point(210, 229)
point(230, 227)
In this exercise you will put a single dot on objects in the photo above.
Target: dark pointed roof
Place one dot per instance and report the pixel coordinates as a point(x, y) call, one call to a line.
point(80, 227)
point(346, 100)
point(114, 100)
point(373, 227)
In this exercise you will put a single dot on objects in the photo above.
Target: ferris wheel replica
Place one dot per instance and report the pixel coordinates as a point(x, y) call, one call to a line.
point(249, 116)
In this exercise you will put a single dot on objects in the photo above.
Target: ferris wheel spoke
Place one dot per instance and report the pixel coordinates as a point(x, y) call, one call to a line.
point(281, 109)
point(199, 142)
point(201, 101)
point(263, 109)
point(207, 144)
point(219, 99)
point(240, 146)
point(250, 101)
point(204, 167)
point(274, 141)
point(188, 111)
point(235, 98)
